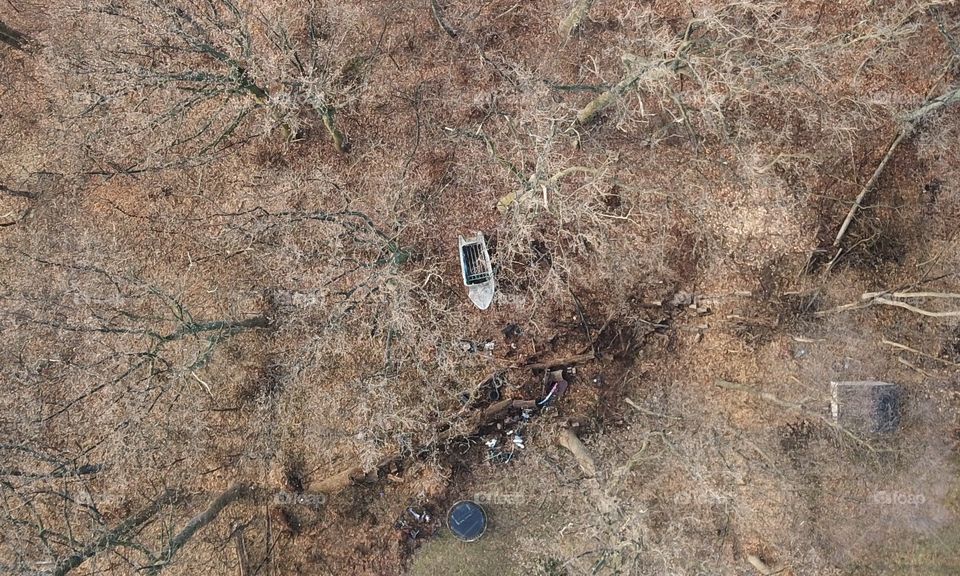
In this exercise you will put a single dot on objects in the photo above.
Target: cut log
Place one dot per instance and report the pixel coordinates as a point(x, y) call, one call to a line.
point(569, 440)
point(339, 481)
point(562, 362)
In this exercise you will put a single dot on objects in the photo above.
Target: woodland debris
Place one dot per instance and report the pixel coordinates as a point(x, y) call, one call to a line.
point(906, 348)
point(118, 534)
point(588, 113)
point(895, 299)
point(912, 121)
point(761, 566)
point(561, 362)
point(439, 16)
point(642, 410)
point(337, 482)
point(243, 558)
point(792, 407)
point(12, 38)
point(575, 18)
point(339, 140)
point(569, 440)
point(502, 406)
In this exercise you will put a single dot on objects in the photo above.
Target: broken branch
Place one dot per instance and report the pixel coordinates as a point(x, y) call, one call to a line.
point(869, 186)
point(575, 18)
point(589, 112)
point(438, 15)
point(916, 310)
point(912, 120)
point(906, 348)
point(12, 38)
point(770, 398)
point(569, 440)
point(568, 361)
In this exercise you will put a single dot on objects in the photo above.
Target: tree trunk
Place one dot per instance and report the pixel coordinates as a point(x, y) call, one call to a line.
point(234, 493)
point(118, 534)
point(598, 104)
point(13, 38)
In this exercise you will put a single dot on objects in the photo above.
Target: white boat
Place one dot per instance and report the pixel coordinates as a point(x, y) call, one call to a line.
point(477, 270)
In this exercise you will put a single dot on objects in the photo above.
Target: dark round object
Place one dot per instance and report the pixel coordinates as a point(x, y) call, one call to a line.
point(467, 520)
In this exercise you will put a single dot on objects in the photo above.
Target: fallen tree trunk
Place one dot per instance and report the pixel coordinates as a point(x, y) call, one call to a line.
point(232, 494)
point(913, 120)
point(589, 112)
point(356, 474)
point(12, 38)
point(117, 535)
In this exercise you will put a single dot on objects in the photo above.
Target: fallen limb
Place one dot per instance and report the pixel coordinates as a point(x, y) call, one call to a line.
point(339, 140)
point(502, 406)
point(17, 193)
point(561, 362)
point(913, 366)
point(871, 295)
point(589, 112)
point(933, 105)
point(571, 170)
point(438, 15)
point(569, 440)
point(12, 38)
point(912, 120)
point(198, 522)
point(868, 299)
point(858, 201)
point(641, 410)
point(766, 396)
point(906, 348)
point(575, 18)
point(916, 310)
point(339, 481)
point(760, 565)
point(119, 534)
point(356, 474)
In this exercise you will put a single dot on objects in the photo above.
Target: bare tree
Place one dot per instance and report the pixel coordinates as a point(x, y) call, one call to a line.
point(203, 77)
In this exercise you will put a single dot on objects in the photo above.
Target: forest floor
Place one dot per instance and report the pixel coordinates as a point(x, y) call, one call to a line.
point(687, 278)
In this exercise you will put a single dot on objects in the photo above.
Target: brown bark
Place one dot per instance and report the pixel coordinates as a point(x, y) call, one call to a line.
point(118, 534)
point(11, 37)
point(569, 440)
point(232, 494)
